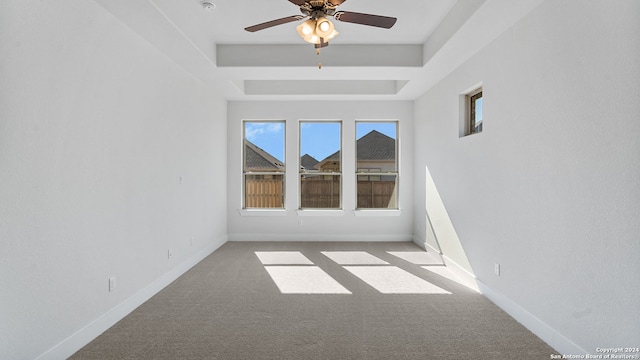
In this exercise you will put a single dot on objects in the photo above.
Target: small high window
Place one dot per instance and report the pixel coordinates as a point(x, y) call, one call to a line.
point(263, 164)
point(320, 165)
point(474, 124)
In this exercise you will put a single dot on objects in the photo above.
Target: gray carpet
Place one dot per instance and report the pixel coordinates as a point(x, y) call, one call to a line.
point(228, 307)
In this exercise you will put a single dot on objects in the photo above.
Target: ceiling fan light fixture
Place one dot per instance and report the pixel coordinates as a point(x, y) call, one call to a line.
point(324, 27)
point(331, 36)
point(306, 29)
point(317, 31)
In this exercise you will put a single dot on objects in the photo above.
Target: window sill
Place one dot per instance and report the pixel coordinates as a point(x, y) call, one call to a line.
point(263, 212)
point(332, 212)
point(377, 212)
point(472, 134)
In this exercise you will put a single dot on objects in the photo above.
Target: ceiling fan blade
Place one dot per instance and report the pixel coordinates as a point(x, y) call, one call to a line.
point(271, 23)
point(298, 2)
point(335, 2)
point(365, 19)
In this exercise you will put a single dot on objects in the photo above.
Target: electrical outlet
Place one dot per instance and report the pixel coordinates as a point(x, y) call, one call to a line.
point(169, 254)
point(496, 269)
point(112, 283)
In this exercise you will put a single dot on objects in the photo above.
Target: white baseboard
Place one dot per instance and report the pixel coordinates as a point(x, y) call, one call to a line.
point(82, 337)
point(545, 332)
point(320, 237)
point(431, 248)
point(420, 241)
point(468, 279)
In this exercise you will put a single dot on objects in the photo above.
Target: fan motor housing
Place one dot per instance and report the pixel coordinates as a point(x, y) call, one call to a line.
point(316, 14)
point(317, 8)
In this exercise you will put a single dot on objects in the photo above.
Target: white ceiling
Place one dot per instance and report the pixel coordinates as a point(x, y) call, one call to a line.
point(226, 23)
point(362, 62)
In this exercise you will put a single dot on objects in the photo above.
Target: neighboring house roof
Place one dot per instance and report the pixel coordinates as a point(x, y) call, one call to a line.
point(372, 146)
point(258, 159)
point(376, 146)
point(308, 162)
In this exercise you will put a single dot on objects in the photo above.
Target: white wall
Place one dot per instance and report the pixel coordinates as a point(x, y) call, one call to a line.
point(549, 190)
point(96, 130)
point(340, 226)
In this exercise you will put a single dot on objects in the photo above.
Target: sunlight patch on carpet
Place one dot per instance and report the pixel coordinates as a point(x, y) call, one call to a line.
point(282, 258)
point(354, 258)
point(393, 280)
point(418, 257)
point(304, 280)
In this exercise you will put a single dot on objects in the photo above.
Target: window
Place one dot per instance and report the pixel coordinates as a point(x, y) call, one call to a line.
point(263, 164)
point(474, 124)
point(320, 165)
point(377, 165)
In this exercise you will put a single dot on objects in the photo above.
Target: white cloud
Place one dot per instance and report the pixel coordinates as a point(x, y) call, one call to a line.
point(253, 130)
point(275, 127)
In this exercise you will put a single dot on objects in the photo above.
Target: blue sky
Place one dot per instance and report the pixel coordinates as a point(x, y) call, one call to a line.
point(267, 135)
point(318, 139)
point(479, 110)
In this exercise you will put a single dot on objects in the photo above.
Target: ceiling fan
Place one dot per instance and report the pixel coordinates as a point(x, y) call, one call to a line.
point(318, 30)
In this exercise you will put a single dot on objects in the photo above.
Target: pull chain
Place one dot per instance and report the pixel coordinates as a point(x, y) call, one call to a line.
point(319, 62)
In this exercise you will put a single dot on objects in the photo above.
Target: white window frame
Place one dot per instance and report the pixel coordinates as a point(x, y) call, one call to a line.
point(245, 172)
point(326, 173)
point(466, 110)
point(377, 174)
point(471, 121)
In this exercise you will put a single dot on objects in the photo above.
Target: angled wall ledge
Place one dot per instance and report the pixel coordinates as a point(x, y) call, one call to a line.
point(322, 87)
point(246, 55)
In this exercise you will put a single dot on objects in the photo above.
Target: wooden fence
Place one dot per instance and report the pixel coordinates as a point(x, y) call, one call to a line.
point(319, 194)
point(376, 194)
point(264, 193)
